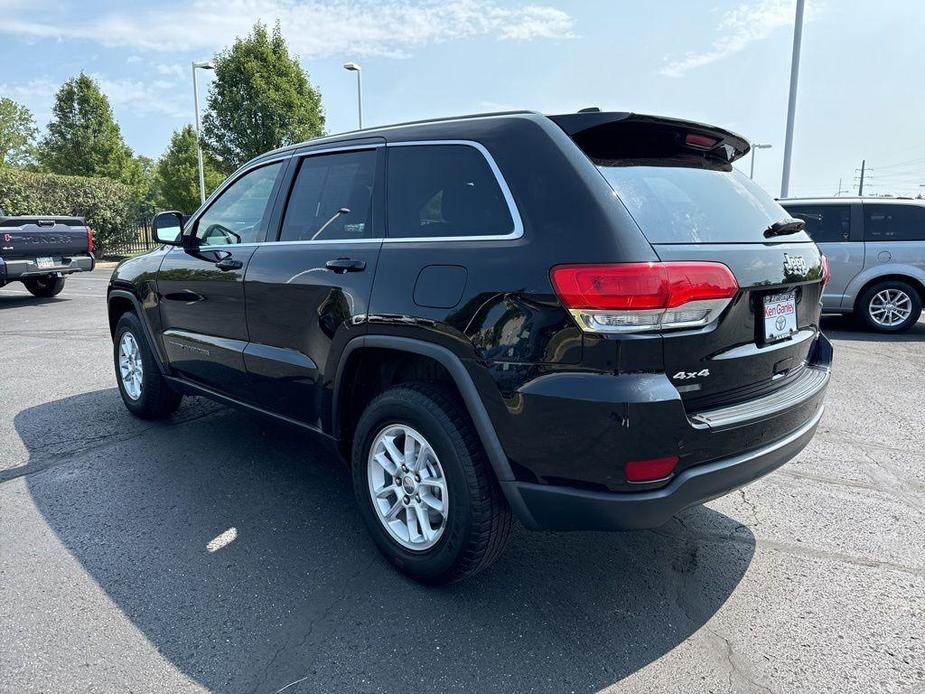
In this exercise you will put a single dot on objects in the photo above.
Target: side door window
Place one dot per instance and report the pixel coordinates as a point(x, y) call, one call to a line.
point(239, 215)
point(331, 198)
point(894, 222)
point(438, 191)
point(308, 293)
point(825, 223)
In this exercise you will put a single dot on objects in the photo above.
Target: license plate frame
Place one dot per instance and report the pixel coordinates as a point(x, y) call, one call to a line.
point(44, 263)
point(780, 315)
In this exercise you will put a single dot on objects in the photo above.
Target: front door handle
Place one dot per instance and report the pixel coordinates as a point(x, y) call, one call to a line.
point(342, 265)
point(229, 263)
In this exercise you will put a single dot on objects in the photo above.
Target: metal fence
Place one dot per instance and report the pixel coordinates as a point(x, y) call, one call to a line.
point(136, 239)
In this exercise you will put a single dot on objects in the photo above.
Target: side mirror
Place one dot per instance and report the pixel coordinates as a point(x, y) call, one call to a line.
point(167, 228)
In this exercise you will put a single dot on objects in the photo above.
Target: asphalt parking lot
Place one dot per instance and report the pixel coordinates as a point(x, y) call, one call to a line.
point(111, 578)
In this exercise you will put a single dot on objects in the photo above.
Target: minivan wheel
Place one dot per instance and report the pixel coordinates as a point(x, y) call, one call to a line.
point(890, 307)
point(44, 286)
point(143, 388)
point(424, 486)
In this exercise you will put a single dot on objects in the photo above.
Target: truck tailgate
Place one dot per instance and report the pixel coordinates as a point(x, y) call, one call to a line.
point(30, 237)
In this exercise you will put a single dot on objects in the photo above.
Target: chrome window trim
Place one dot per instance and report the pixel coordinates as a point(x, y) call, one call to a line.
point(518, 231)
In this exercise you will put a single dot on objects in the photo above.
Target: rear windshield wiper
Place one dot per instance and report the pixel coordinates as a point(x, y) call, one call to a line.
point(784, 227)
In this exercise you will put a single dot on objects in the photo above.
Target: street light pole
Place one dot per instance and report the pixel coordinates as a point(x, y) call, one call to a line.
point(751, 173)
point(353, 67)
point(202, 179)
point(792, 104)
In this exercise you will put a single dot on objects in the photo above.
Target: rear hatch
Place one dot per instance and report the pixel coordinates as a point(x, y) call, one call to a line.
point(677, 181)
point(51, 237)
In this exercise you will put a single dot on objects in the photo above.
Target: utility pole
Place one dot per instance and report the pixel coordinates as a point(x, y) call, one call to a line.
point(792, 104)
point(861, 184)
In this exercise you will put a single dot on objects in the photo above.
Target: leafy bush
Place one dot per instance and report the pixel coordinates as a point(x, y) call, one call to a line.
point(109, 207)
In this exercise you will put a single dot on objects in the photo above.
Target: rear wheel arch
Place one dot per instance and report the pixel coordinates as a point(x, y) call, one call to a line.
point(373, 363)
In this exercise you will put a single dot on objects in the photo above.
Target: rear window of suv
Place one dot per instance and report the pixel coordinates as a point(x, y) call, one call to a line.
point(682, 202)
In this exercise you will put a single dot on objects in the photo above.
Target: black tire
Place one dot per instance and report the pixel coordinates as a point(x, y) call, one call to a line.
point(45, 286)
point(157, 399)
point(863, 308)
point(478, 522)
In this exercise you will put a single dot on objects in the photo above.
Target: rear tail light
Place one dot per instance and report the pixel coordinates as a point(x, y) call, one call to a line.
point(636, 297)
point(90, 240)
point(826, 273)
point(650, 470)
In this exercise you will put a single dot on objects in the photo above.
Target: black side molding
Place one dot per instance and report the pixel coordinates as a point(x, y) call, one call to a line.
point(453, 364)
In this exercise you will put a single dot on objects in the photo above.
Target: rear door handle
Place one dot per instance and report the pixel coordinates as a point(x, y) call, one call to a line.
point(229, 263)
point(342, 265)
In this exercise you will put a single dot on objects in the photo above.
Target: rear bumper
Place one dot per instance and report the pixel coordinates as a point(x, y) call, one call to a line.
point(11, 270)
point(547, 507)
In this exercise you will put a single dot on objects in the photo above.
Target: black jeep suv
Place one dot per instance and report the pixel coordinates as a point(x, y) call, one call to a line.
point(586, 321)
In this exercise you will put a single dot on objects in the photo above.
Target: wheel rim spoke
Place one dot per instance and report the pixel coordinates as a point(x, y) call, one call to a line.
point(130, 369)
point(407, 487)
point(890, 307)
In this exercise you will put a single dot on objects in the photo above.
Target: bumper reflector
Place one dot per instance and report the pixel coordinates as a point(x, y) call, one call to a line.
point(650, 470)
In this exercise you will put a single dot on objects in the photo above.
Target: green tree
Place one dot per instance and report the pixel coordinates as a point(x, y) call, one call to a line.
point(83, 138)
point(261, 99)
point(17, 133)
point(176, 174)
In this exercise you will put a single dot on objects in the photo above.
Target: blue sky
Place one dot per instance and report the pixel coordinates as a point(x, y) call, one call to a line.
point(726, 63)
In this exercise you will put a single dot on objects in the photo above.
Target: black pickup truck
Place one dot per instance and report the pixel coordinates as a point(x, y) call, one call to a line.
point(40, 251)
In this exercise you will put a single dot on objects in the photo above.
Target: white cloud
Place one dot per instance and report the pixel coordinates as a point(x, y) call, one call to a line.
point(737, 28)
point(312, 28)
point(170, 70)
point(157, 97)
point(40, 88)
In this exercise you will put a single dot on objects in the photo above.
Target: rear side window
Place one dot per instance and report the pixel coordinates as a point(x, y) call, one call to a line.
point(331, 198)
point(444, 190)
point(894, 222)
point(679, 201)
point(824, 223)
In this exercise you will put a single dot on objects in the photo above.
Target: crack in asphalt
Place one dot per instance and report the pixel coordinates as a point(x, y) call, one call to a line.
point(37, 464)
point(801, 551)
point(734, 668)
point(750, 505)
point(347, 587)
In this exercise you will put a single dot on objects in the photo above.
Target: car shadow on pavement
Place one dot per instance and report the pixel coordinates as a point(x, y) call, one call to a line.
point(233, 544)
point(847, 327)
point(15, 301)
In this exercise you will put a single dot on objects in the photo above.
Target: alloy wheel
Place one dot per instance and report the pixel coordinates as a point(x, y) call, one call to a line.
point(890, 307)
point(407, 487)
point(130, 367)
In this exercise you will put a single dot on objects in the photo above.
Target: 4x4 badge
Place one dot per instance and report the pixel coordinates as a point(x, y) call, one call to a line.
point(686, 375)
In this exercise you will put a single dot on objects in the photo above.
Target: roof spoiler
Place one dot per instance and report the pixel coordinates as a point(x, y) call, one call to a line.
point(613, 135)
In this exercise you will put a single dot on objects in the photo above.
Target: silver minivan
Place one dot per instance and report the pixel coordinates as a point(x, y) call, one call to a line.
point(876, 253)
